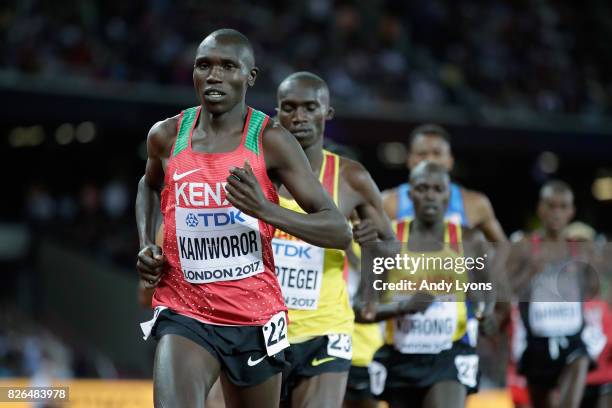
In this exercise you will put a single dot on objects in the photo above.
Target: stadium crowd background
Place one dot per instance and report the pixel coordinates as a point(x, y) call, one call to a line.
point(525, 55)
point(523, 86)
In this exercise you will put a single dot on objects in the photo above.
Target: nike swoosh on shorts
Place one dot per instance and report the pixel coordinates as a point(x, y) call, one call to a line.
point(316, 362)
point(252, 363)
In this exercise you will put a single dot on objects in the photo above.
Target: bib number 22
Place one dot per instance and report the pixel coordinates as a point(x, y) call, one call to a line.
point(275, 333)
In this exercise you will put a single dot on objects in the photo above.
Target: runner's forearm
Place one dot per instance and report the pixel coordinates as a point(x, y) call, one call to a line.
point(148, 213)
point(326, 228)
point(383, 312)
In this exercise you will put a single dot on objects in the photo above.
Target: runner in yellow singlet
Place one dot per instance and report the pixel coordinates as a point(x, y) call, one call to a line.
point(430, 358)
point(312, 278)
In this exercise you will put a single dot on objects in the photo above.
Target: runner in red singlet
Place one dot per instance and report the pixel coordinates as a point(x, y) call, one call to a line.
point(598, 321)
point(214, 170)
point(549, 277)
point(598, 391)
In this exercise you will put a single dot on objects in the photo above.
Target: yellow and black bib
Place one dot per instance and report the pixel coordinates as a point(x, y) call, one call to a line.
point(312, 278)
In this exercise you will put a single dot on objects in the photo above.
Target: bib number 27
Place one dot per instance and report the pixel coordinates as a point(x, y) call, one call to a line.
point(275, 333)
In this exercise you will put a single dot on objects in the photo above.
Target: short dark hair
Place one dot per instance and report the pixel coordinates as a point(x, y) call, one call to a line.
point(318, 82)
point(236, 36)
point(427, 168)
point(428, 129)
point(556, 186)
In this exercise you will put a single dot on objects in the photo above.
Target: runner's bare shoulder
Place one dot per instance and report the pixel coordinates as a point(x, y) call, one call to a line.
point(355, 174)
point(472, 235)
point(274, 133)
point(279, 145)
point(477, 200)
point(161, 137)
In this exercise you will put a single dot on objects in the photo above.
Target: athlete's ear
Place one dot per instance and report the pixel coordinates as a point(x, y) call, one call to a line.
point(252, 76)
point(330, 113)
point(451, 162)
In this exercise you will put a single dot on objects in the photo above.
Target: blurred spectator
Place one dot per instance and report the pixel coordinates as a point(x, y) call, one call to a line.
point(28, 350)
point(541, 55)
point(115, 198)
point(40, 205)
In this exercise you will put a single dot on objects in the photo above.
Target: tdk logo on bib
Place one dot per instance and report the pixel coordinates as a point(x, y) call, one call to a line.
point(289, 250)
point(219, 219)
point(191, 220)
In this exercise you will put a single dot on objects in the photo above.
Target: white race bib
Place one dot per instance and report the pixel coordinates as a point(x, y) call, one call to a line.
point(467, 369)
point(472, 331)
point(427, 333)
point(299, 269)
point(217, 244)
point(340, 345)
point(555, 319)
point(275, 333)
point(378, 377)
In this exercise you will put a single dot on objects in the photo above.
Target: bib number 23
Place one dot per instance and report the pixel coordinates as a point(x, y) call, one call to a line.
point(340, 345)
point(275, 333)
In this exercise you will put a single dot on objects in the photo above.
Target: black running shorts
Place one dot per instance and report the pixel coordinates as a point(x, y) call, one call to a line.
point(240, 350)
point(417, 372)
point(542, 362)
point(309, 359)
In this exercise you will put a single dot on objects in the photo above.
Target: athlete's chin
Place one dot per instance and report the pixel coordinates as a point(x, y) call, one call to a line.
point(216, 107)
point(431, 217)
point(306, 139)
point(556, 226)
point(305, 142)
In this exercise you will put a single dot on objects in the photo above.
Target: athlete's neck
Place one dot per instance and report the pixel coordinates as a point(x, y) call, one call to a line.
point(314, 154)
point(426, 229)
point(226, 122)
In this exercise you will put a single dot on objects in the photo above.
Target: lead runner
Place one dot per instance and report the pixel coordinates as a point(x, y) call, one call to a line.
point(219, 308)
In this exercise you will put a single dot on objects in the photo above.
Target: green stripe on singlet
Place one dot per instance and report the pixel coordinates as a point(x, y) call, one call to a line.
point(182, 138)
point(257, 120)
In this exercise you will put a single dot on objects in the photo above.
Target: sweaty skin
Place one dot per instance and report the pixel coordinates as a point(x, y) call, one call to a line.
point(303, 109)
point(223, 71)
point(479, 212)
